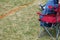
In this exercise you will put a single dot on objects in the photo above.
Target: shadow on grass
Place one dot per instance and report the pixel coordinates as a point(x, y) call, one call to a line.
point(44, 33)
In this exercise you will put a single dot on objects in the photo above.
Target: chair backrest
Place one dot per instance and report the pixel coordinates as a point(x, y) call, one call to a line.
point(51, 6)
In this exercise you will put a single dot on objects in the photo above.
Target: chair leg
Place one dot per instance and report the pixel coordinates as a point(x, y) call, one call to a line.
point(57, 32)
point(49, 33)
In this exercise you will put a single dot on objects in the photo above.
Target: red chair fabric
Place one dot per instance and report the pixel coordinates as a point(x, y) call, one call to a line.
point(51, 19)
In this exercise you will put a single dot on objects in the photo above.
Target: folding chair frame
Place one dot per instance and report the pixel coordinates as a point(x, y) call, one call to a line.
point(57, 31)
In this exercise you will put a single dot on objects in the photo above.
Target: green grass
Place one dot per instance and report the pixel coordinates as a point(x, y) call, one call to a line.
point(23, 25)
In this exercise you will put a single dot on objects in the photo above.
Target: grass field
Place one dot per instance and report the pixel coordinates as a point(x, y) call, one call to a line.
point(22, 24)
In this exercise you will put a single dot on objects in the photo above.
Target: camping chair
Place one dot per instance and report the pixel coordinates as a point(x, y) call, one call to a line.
point(54, 19)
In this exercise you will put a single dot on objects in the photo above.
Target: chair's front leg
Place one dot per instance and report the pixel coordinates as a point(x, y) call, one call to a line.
point(57, 32)
point(48, 32)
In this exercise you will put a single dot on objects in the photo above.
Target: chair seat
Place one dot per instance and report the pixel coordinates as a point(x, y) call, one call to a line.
point(51, 19)
point(58, 19)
